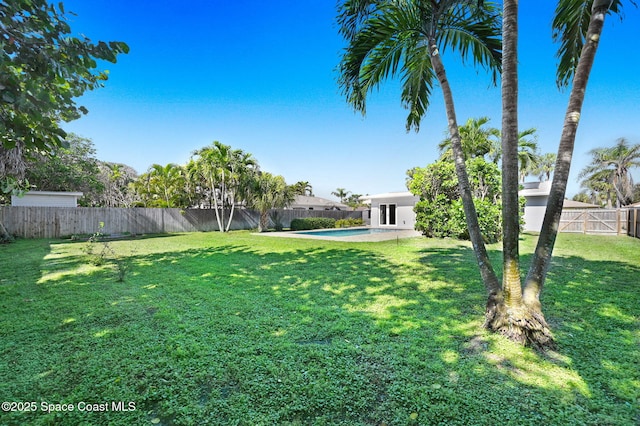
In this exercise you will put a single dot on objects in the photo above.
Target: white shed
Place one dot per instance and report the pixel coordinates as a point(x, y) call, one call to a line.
point(392, 210)
point(47, 199)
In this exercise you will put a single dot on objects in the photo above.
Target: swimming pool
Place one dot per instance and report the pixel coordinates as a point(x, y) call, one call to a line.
point(346, 232)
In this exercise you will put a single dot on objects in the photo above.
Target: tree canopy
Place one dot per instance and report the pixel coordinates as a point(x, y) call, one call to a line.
point(43, 69)
point(608, 176)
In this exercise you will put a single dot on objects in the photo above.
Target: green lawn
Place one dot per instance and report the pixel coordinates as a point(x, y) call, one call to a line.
point(253, 330)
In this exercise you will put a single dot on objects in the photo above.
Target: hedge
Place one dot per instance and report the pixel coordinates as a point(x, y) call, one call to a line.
point(308, 223)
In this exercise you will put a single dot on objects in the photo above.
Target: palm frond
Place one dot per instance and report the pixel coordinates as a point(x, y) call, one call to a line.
point(569, 29)
point(475, 34)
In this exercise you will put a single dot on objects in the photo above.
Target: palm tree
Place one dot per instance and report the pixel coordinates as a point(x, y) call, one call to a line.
point(578, 28)
point(222, 172)
point(241, 166)
point(544, 166)
point(477, 140)
point(268, 192)
point(162, 186)
point(341, 193)
point(405, 38)
point(206, 163)
point(611, 166)
point(527, 150)
point(302, 188)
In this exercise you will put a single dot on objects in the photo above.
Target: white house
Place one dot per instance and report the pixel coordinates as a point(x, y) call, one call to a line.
point(47, 199)
point(392, 210)
point(537, 196)
point(305, 202)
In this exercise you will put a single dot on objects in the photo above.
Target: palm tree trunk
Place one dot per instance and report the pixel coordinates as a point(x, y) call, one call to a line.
point(215, 203)
point(508, 314)
point(263, 225)
point(542, 257)
point(489, 277)
point(223, 195)
point(511, 285)
point(233, 205)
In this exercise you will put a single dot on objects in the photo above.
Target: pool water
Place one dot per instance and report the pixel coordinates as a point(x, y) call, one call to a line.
point(345, 232)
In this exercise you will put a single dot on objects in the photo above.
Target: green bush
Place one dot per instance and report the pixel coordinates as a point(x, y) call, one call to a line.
point(309, 223)
point(440, 214)
point(349, 222)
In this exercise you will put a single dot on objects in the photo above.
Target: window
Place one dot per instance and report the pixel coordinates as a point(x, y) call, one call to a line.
point(387, 214)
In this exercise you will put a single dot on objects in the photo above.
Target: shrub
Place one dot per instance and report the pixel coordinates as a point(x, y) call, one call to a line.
point(439, 212)
point(308, 223)
point(349, 222)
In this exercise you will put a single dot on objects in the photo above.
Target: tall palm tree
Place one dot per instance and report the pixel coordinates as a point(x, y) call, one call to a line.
point(268, 192)
point(222, 171)
point(578, 27)
point(612, 166)
point(405, 38)
point(241, 166)
point(205, 163)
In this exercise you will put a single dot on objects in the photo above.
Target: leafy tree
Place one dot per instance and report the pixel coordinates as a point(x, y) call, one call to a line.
point(582, 197)
point(72, 167)
point(389, 38)
point(353, 201)
point(118, 183)
point(268, 192)
point(341, 193)
point(43, 70)
point(439, 212)
point(610, 171)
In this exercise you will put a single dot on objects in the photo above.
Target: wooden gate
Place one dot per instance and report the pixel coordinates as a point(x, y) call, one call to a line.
point(594, 221)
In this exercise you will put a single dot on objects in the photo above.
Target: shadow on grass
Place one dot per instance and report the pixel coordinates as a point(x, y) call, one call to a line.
point(344, 335)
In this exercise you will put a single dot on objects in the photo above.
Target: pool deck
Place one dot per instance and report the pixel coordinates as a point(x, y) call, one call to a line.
point(379, 236)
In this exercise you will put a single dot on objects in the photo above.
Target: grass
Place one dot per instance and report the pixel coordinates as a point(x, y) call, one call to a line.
point(249, 330)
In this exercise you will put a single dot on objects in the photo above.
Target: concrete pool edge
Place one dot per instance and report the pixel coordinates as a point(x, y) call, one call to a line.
point(379, 236)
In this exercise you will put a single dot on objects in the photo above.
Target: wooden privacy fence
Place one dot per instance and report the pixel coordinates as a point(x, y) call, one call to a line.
point(633, 222)
point(56, 222)
point(594, 221)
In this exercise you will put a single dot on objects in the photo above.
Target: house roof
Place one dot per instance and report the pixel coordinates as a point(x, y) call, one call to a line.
point(307, 201)
point(60, 193)
point(571, 204)
point(387, 195)
point(535, 189)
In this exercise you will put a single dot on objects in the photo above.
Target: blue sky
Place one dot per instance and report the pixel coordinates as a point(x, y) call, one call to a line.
point(261, 76)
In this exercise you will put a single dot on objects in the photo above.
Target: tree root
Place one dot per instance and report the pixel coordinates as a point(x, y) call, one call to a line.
point(521, 324)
